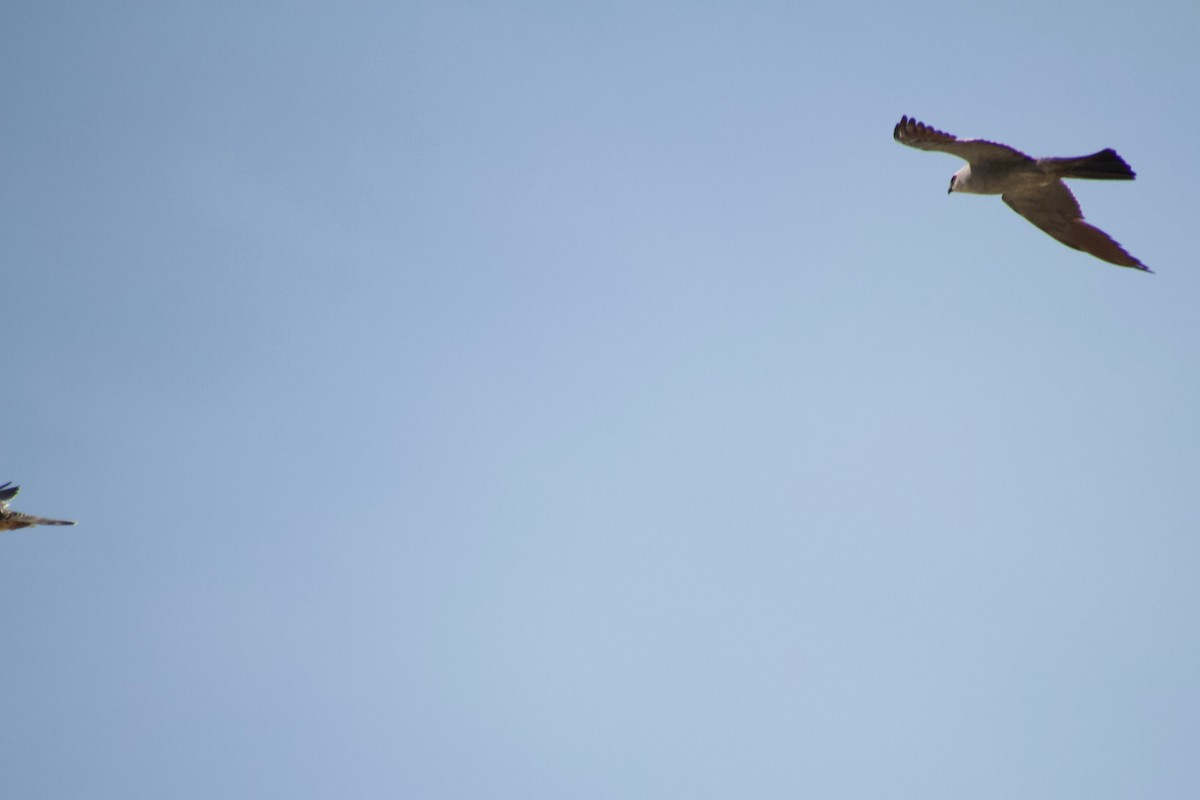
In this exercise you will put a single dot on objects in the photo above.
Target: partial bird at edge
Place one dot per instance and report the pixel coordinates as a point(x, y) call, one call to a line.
point(15, 520)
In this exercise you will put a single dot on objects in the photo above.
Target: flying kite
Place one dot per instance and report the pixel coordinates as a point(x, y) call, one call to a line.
point(1033, 187)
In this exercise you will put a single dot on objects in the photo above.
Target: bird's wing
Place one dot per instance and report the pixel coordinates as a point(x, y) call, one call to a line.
point(1055, 210)
point(8, 492)
point(923, 137)
point(19, 520)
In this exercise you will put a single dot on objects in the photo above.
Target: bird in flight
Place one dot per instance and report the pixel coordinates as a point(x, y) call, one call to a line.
point(13, 520)
point(1033, 187)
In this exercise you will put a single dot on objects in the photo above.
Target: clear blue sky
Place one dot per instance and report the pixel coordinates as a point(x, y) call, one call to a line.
point(591, 400)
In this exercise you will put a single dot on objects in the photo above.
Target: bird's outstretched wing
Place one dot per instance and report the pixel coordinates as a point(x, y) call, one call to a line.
point(15, 520)
point(923, 137)
point(1055, 210)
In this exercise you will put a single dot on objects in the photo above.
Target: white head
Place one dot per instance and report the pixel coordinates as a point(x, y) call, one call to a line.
point(960, 180)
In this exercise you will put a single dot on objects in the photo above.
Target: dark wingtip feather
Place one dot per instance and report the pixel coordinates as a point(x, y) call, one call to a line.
point(1091, 239)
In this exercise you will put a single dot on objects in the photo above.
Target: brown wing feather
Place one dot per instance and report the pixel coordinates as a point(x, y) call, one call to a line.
point(1056, 211)
point(15, 520)
point(923, 137)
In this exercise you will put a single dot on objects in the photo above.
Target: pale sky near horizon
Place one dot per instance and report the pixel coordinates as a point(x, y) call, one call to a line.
point(532, 400)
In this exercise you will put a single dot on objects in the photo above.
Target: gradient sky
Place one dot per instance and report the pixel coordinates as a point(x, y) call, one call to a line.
point(591, 400)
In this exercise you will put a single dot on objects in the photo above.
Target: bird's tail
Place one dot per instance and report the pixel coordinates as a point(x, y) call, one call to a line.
point(1105, 165)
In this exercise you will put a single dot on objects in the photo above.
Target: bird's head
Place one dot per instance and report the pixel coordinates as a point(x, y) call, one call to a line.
point(959, 180)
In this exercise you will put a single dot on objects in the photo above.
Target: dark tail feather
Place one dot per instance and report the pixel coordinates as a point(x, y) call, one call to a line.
point(1105, 165)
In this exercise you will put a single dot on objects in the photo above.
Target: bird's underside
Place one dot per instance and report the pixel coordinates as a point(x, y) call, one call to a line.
point(15, 520)
point(1033, 187)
